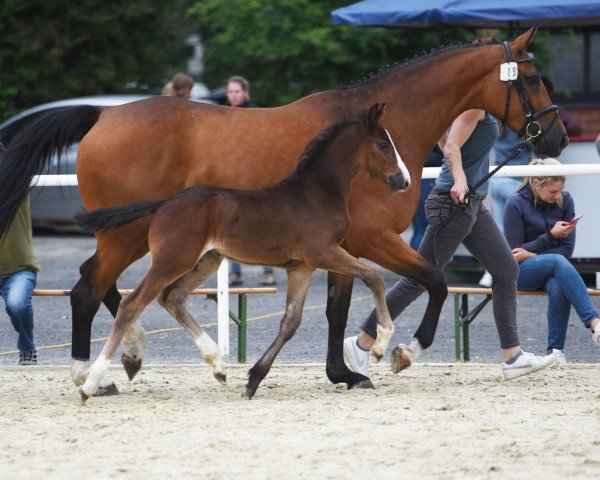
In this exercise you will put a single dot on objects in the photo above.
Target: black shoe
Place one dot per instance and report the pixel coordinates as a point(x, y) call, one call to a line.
point(235, 280)
point(28, 358)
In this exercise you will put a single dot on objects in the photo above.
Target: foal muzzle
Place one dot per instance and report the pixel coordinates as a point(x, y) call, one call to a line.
point(398, 183)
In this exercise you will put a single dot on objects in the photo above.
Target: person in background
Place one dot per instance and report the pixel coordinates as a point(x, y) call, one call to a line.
point(18, 276)
point(180, 86)
point(419, 220)
point(572, 126)
point(539, 227)
point(502, 188)
point(466, 149)
point(238, 95)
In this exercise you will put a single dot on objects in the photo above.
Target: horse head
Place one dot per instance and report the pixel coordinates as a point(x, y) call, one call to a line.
point(527, 109)
point(381, 158)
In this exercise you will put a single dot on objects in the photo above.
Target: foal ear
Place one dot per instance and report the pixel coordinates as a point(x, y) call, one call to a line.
point(374, 114)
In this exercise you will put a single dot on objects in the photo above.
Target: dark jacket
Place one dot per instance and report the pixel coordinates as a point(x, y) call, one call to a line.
point(528, 224)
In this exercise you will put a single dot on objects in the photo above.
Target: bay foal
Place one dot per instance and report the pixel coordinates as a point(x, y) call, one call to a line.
point(298, 224)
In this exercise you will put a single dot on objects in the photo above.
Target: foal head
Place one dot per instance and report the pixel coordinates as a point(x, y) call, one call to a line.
point(376, 153)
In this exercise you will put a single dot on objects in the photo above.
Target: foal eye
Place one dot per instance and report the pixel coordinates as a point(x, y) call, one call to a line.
point(383, 144)
point(533, 80)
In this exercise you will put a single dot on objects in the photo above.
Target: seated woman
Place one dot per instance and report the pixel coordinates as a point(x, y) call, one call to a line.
point(538, 229)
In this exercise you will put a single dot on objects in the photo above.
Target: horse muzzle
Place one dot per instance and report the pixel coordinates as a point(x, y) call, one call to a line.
point(398, 183)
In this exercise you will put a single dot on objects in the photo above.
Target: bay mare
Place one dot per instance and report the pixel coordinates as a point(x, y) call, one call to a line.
point(156, 147)
point(297, 224)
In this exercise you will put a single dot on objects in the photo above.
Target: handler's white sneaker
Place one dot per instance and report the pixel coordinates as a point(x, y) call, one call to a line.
point(526, 363)
point(358, 359)
point(560, 357)
point(596, 335)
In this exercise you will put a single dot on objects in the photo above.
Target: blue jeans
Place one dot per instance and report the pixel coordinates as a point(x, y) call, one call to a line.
point(501, 189)
point(16, 290)
point(555, 274)
point(235, 267)
point(419, 220)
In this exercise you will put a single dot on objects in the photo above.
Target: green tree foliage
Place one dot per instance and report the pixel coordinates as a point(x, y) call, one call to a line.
point(289, 48)
point(58, 49)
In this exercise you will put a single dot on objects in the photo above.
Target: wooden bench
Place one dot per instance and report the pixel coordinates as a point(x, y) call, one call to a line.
point(240, 319)
point(463, 317)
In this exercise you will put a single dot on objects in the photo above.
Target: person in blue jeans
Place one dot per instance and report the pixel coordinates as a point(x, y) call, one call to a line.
point(502, 188)
point(538, 228)
point(18, 276)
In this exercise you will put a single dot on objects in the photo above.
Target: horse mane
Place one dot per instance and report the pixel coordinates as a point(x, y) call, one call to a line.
point(407, 62)
point(317, 145)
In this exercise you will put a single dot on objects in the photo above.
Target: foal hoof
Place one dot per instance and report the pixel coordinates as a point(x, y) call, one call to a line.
point(131, 365)
point(83, 396)
point(107, 391)
point(364, 384)
point(221, 377)
point(400, 359)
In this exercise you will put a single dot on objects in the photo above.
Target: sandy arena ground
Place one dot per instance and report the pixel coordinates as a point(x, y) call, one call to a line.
point(443, 421)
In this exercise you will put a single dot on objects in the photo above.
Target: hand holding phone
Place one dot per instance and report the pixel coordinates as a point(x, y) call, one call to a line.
point(575, 220)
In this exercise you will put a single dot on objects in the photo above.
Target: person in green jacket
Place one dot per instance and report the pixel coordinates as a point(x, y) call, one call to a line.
point(18, 276)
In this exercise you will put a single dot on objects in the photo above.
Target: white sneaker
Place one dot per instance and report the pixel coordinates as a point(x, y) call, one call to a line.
point(486, 280)
point(526, 363)
point(596, 335)
point(560, 356)
point(358, 359)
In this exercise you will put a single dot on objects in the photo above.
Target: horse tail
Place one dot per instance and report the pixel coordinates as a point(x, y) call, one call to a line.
point(29, 153)
point(105, 219)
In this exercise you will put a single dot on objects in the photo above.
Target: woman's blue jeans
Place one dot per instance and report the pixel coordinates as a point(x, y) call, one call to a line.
point(555, 274)
point(16, 290)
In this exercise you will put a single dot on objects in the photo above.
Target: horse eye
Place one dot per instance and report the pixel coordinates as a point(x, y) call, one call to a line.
point(533, 80)
point(383, 144)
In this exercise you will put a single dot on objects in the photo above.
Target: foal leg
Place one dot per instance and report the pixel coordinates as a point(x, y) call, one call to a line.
point(174, 298)
point(130, 309)
point(340, 261)
point(298, 284)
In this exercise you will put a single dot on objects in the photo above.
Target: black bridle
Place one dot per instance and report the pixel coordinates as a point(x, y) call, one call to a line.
point(531, 129)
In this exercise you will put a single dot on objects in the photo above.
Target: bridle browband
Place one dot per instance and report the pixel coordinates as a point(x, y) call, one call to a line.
point(509, 73)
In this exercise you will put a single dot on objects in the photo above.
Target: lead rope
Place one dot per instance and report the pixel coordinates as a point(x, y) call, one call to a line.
point(444, 221)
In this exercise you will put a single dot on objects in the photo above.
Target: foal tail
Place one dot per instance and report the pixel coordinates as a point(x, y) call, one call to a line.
point(29, 153)
point(104, 219)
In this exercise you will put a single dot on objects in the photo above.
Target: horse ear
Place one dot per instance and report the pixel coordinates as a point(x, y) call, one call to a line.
point(523, 41)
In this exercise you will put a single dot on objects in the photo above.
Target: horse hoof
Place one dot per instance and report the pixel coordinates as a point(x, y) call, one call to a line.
point(107, 391)
point(364, 384)
point(400, 359)
point(221, 377)
point(132, 365)
point(248, 393)
point(83, 396)
point(376, 357)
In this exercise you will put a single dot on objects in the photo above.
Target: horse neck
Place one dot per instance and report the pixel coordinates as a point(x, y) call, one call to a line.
point(423, 98)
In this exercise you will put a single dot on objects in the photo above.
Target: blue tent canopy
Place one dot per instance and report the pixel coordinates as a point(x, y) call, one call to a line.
point(473, 13)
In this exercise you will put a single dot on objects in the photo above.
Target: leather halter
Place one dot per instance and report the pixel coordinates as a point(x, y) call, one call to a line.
point(531, 128)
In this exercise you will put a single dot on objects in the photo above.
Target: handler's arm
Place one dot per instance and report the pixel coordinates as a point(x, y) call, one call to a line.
point(460, 131)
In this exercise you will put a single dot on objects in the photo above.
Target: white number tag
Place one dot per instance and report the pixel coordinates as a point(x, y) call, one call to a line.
point(509, 71)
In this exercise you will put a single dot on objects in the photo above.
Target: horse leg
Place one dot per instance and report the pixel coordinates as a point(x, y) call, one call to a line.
point(173, 299)
point(298, 284)
point(98, 277)
point(339, 293)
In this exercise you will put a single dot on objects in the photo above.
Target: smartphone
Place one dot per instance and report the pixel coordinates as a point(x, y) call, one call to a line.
point(575, 220)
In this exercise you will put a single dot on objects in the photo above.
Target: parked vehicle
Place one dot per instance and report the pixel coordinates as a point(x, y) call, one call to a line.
point(54, 207)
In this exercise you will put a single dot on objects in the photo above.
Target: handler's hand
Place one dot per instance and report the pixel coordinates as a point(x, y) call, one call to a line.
point(521, 254)
point(562, 229)
point(459, 190)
